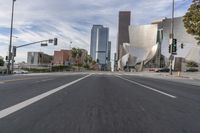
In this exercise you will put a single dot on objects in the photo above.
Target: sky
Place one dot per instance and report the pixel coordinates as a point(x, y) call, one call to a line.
point(72, 20)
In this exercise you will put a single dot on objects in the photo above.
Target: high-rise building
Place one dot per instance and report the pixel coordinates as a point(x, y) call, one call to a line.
point(123, 31)
point(109, 51)
point(94, 40)
point(99, 44)
point(102, 44)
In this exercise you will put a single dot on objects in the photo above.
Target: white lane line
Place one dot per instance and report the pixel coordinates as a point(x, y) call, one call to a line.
point(44, 80)
point(19, 106)
point(150, 88)
point(2, 82)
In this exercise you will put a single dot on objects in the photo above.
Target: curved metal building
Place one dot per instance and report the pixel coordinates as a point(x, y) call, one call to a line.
point(142, 47)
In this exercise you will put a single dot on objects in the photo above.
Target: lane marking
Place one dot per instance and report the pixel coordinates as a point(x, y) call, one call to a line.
point(1, 82)
point(19, 106)
point(150, 88)
point(44, 80)
point(20, 79)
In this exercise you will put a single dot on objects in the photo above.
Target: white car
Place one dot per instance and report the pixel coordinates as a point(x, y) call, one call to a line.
point(20, 72)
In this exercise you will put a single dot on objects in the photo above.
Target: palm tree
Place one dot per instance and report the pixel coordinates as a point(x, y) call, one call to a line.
point(77, 54)
point(74, 52)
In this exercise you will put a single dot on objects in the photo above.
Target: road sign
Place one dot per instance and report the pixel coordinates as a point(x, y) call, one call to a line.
point(44, 44)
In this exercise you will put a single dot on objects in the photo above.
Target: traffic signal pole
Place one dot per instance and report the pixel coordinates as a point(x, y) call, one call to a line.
point(55, 40)
point(172, 36)
point(11, 35)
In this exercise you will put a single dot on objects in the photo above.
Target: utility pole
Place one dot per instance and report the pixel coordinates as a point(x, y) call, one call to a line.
point(10, 44)
point(172, 35)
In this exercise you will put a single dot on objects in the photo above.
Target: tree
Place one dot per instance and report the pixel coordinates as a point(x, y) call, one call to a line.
point(79, 53)
point(74, 52)
point(192, 20)
point(88, 59)
point(1, 62)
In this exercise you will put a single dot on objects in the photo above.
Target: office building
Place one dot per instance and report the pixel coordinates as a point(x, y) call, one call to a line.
point(94, 39)
point(109, 51)
point(39, 59)
point(64, 57)
point(99, 45)
point(61, 57)
point(123, 31)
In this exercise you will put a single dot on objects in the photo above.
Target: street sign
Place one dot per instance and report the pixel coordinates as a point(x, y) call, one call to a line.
point(44, 44)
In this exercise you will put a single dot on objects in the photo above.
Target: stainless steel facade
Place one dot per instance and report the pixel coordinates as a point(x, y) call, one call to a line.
point(150, 43)
point(142, 47)
point(190, 51)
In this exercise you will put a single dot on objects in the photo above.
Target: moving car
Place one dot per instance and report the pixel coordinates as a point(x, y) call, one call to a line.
point(20, 72)
point(192, 70)
point(163, 70)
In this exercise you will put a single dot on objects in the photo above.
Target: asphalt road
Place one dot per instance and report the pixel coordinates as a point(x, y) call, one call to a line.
point(98, 103)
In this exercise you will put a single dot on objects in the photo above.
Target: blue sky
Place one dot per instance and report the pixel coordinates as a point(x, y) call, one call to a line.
point(71, 20)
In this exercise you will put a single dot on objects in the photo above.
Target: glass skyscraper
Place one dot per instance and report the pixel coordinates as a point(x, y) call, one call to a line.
point(99, 44)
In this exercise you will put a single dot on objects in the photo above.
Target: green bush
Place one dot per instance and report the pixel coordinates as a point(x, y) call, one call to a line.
point(192, 64)
point(1, 62)
point(61, 68)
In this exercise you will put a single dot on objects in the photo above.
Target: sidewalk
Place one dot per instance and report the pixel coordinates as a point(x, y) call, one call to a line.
point(184, 75)
point(187, 78)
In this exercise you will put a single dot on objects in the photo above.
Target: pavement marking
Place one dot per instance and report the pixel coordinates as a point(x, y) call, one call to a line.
point(19, 106)
point(20, 79)
point(150, 88)
point(44, 80)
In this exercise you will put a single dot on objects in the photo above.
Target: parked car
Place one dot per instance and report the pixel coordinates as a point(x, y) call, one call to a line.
point(20, 72)
point(192, 70)
point(163, 70)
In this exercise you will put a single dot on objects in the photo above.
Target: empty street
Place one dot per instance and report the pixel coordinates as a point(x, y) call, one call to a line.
point(97, 103)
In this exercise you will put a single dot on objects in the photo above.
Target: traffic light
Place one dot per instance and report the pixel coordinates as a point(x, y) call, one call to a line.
point(14, 51)
point(44, 44)
point(50, 40)
point(174, 46)
point(182, 46)
point(169, 48)
point(55, 41)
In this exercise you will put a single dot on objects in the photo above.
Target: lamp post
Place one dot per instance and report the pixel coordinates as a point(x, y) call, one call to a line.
point(10, 44)
point(172, 35)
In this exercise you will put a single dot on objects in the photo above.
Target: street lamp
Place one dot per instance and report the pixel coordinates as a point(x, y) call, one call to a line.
point(172, 35)
point(10, 44)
